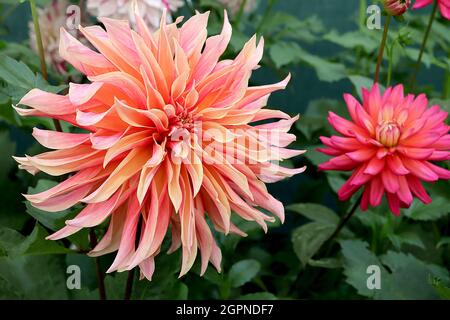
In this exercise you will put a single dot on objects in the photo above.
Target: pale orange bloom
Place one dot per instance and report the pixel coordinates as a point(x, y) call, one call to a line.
point(169, 140)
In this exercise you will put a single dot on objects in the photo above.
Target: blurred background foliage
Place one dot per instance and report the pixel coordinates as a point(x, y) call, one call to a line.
point(329, 51)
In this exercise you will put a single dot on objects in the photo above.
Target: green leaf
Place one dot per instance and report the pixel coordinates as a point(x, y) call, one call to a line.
point(16, 73)
point(328, 263)
point(410, 238)
point(326, 70)
point(258, 296)
point(356, 260)
point(52, 220)
point(35, 244)
point(407, 277)
point(363, 82)
point(30, 276)
point(350, 40)
point(309, 238)
point(315, 117)
point(283, 53)
point(442, 291)
point(243, 271)
point(425, 212)
point(443, 242)
point(315, 212)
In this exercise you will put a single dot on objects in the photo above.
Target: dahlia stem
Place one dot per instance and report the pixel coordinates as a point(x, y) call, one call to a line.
point(424, 43)
point(345, 219)
point(381, 51)
point(129, 285)
point(265, 15)
point(446, 90)
point(40, 46)
point(237, 21)
point(100, 277)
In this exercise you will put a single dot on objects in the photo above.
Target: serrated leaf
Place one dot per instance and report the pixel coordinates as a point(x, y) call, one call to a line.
point(328, 263)
point(242, 272)
point(315, 212)
point(309, 238)
point(363, 82)
point(425, 212)
point(35, 244)
point(407, 278)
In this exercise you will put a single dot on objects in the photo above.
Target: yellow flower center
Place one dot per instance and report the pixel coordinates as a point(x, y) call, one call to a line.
point(388, 134)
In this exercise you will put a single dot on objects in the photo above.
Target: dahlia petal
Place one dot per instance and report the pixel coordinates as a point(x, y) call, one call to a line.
point(99, 39)
point(59, 140)
point(127, 242)
point(441, 172)
point(362, 154)
point(128, 142)
point(415, 153)
point(80, 94)
point(63, 233)
point(48, 103)
point(421, 3)
point(374, 166)
point(129, 166)
point(394, 203)
point(404, 192)
point(417, 189)
point(376, 191)
point(420, 169)
point(111, 239)
point(214, 48)
point(396, 165)
point(88, 62)
point(390, 181)
point(63, 201)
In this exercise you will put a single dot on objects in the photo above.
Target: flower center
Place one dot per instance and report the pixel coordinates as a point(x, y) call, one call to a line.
point(388, 134)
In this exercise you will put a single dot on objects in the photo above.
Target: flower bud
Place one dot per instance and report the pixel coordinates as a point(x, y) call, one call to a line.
point(396, 7)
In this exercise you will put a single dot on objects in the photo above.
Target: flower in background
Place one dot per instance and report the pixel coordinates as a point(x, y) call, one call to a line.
point(396, 7)
point(51, 19)
point(234, 5)
point(389, 144)
point(150, 10)
point(444, 6)
point(169, 140)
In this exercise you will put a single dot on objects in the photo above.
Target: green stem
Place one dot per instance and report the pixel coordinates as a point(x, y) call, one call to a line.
point(237, 20)
point(381, 51)
point(40, 46)
point(446, 89)
point(265, 15)
point(345, 219)
point(390, 55)
point(424, 43)
point(100, 277)
point(129, 285)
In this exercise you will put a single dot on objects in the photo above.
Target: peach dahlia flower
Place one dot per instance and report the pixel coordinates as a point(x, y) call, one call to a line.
point(150, 10)
point(168, 140)
point(390, 144)
point(444, 6)
point(235, 5)
point(51, 19)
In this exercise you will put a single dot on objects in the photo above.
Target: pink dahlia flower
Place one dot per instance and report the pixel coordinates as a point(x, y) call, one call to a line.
point(396, 7)
point(444, 6)
point(51, 19)
point(150, 10)
point(389, 144)
point(168, 140)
